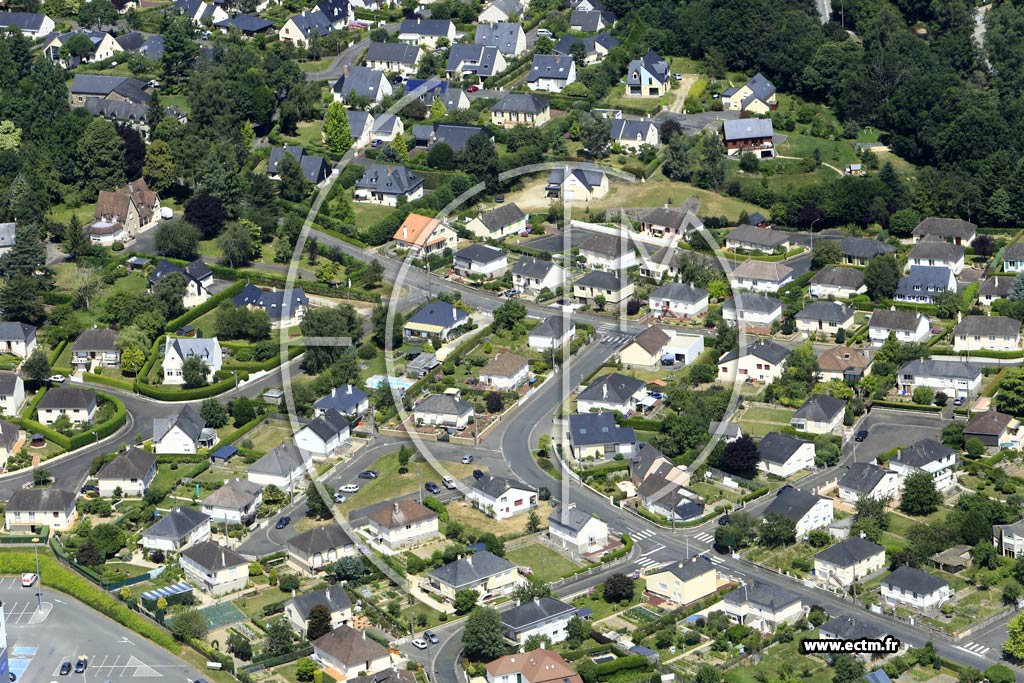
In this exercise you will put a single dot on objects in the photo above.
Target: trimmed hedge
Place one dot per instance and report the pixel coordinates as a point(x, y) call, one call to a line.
point(627, 541)
point(622, 664)
point(269, 662)
point(243, 430)
point(203, 308)
point(907, 406)
point(597, 471)
point(59, 349)
point(642, 423)
point(103, 429)
point(40, 538)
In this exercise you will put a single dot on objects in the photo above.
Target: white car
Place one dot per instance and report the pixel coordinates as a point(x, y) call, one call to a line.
point(544, 32)
point(466, 459)
point(56, 379)
point(349, 488)
point(419, 644)
point(28, 579)
point(339, 498)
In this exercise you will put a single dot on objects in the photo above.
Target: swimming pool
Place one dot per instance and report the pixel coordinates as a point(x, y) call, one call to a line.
point(401, 383)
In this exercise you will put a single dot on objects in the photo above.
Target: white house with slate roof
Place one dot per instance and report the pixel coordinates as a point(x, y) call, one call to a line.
point(858, 251)
point(806, 510)
point(438, 320)
point(820, 414)
point(180, 349)
point(235, 502)
point(500, 10)
point(755, 313)
point(664, 221)
point(955, 378)
point(762, 361)
point(285, 466)
point(507, 219)
point(576, 530)
point(590, 21)
point(350, 652)
point(31, 24)
point(824, 316)
point(1013, 258)
point(481, 260)
point(926, 455)
point(386, 184)
point(507, 37)
point(319, 547)
point(334, 598)
point(611, 393)
point(213, 568)
point(988, 332)
point(551, 73)
point(200, 12)
point(500, 497)
point(848, 561)
point(952, 230)
point(911, 587)
point(995, 287)
point(615, 288)
point(179, 528)
point(132, 472)
point(78, 405)
point(486, 573)
point(595, 437)
point(924, 284)
point(756, 96)
point(361, 125)
point(784, 455)
point(647, 77)
point(32, 507)
point(544, 617)
point(576, 184)
point(325, 436)
point(394, 58)
point(595, 48)
point(553, 332)
point(1009, 538)
point(443, 410)
point(346, 399)
point(363, 82)
point(18, 339)
point(283, 313)
point(198, 280)
point(426, 32)
point(678, 300)
point(762, 605)
point(908, 326)
point(401, 523)
point(868, 480)
point(181, 433)
point(761, 276)
point(521, 109)
point(300, 28)
point(936, 252)
point(838, 282)
point(481, 61)
point(531, 274)
point(633, 134)
point(12, 393)
point(8, 234)
point(608, 252)
point(751, 238)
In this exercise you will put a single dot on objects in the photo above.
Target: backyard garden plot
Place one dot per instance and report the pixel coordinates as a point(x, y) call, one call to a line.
point(546, 564)
point(758, 421)
point(224, 614)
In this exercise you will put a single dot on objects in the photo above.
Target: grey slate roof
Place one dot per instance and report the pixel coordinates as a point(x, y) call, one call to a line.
point(361, 80)
point(393, 179)
point(665, 217)
point(590, 22)
point(134, 463)
point(595, 429)
point(210, 555)
point(502, 35)
point(602, 279)
point(8, 383)
point(234, 495)
point(440, 313)
point(680, 291)
point(606, 245)
point(820, 408)
point(945, 227)
point(590, 43)
point(443, 404)
point(928, 367)
point(862, 477)
point(755, 303)
point(23, 21)
point(988, 423)
point(532, 267)
point(13, 331)
point(480, 253)
point(588, 177)
point(345, 399)
point(246, 23)
point(629, 129)
point(765, 237)
point(895, 320)
point(549, 66)
point(329, 425)
point(850, 628)
point(473, 58)
point(282, 460)
point(861, 247)
point(177, 523)
point(768, 596)
point(653, 64)
point(997, 287)
point(534, 612)
point(985, 325)
point(915, 580)
point(41, 500)
point(849, 552)
point(503, 216)
point(746, 129)
point(1014, 252)
point(320, 539)
point(69, 398)
point(687, 570)
point(312, 22)
point(392, 52)
point(272, 302)
point(200, 348)
point(765, 349)
point(922, 453)
point(7, 234)
point(493, 486)
point(187, 419)
point(837, 276)
point(936, 249)
point(426, 27)
point(778, 448)
point(828, 311)
point(350, 647)
point(314, 168)
point(471, 569)
point(102, 86)
point(334, 598)
point(552, 327)
point(792, 503)
point(922, 280)
point(96, 339)
point(570, 518)
point(521, 103)
point(619, 388)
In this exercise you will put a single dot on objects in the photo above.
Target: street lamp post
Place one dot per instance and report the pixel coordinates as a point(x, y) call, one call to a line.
point(39, 578)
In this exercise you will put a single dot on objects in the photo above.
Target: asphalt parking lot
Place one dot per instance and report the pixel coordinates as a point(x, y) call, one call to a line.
point(40, 639)
point(891, 429)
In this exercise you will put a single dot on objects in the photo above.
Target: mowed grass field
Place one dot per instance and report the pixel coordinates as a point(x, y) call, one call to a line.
point(758, 421)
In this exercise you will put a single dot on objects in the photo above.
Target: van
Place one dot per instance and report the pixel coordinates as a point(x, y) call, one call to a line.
point(544, 32)
point(449, 483)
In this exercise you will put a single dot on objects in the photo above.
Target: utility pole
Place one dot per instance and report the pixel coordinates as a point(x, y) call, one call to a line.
point(39, 578)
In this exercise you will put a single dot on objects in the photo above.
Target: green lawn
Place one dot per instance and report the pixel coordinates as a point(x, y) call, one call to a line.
point(267, 436)
point(391, 484)
point(308, 135)
point(780, 657)
point(837, 152)
point(547, 565)
point(367, 214)
point(759, 421)
point(602, 609)
point(177, 101)
point(253, 606)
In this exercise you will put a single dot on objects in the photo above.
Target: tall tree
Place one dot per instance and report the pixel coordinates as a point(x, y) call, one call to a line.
point(180, 50)
point(740, 456)
point(75, 243)
point(316, 506)
point(482, 639)
point(207, 213)
point(318, 622)
point(293, 185)
point(920, 496)
point(479, 160)
point(335, 329)
point(236, 244)
point(100, 159)
point(881, 277)
point(134, 151)
point(22, 300)
point(337, 132)
point(194, 371)
point(158, 168)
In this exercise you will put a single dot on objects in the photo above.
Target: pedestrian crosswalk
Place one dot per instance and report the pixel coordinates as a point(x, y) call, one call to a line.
point(615, 339)
point(975, 648)
point(704, 537)
point(642, 534)
point(647, 562)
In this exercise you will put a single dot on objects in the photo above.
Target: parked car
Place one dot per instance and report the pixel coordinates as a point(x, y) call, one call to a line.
point(499, 198)
point(449, 482)
point(420, 644)
point(431, 637)
point(677, 77)
point(376, 143)
point(56, 379)
point(283, 522)
point(724, 519)
point(861, 435)
point(27, 580)
point(339, 498)
point(466, 459)
point(349, 488)
point(959, 401)
point(90, 488)
point(473, 88)
point(65, 668)
point(81, 665)
point(431, 487)
point(369, 474)
point(478, 474)
point(544, 32)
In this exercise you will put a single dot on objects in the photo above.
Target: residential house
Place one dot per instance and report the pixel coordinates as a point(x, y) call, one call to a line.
point(647, 77)
point(994, 429)
point(806, 510)
point(576, 184)
point(596, 437)
point(649, 462)
point(501, 497)
point(595, 48)
point(635, 134)
point(28, 509)
point(481, 260)
point(907, 326)
point(361, 82)
point(341, 12)
point(180, 349)
point(762, 361)
point(346, 399)
point(500, 10)
point(762, 605)
point(656, 347)
point(315, 169)
point(213, 568)
point(858, 251)
point(334, 598)
point(400, 58)
point(201, 13)
point(820, 414)
point(454, 135)
point(235, 502)
point(319, 548)
point(582, 21)
point(132, 471)
point(505, 372)
point(868, 480)
point(248, 25)
point(784, 455)
point(18, 339)
point(324, 436)
point(749, 135)
point(926, 455)
point(756, 96)
point(104, 46)
point(986, 332)
point(577, 531)
point(824, 316)
point(541, 617)
point(454, 99)
point(553, 332)
point(198, 280)
point(12, 393)
point(838, 282)
point(350, 652)
point(285, 466)
point(551, 73)
point(385, 185)
point(426, 32)
point(105, 232)
point(847, 562)
point(499, 222)
point(134, 205)
point(666, 222)
point(684, 582)
point(844, 363)
point(1013, 258)
point(608, 252)
point(147, 45)
point(911, 587)
point(285, 308)
point(751, 238)
point(613, 288)
point(949, 229)
point(936, 252)
point(995, 287)
point(402, 523)
point(753, 313)
point(521, 109)
point(436, 321)
point(300, 28)
point(78, 405)
point(1009, 538)
point(178, 529)
point(31, 24)
point(613, 393)
point(531, 274)
point(95, 348)
point(761, 276)
point(850, 628)
point(85, 87)
point(535, 666)
point(482, 61)
point(955, 378)
point(360, 123)
point(509, 38)
point(443, 410)
point(678, 300)
point(489, 575)
point(387, 128)
point(423, 235)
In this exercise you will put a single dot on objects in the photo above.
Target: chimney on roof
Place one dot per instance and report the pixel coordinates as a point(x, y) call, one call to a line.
point(469, 560)
point(604, 391)
point(405, 232)
point(959, 316)
point(344, 72)
point(348, 389)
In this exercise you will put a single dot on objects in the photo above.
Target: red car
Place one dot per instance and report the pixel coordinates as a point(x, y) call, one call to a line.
point(473, 88)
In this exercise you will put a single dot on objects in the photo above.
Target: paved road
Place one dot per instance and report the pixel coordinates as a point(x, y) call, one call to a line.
point(39, 640)
point(347, 58)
